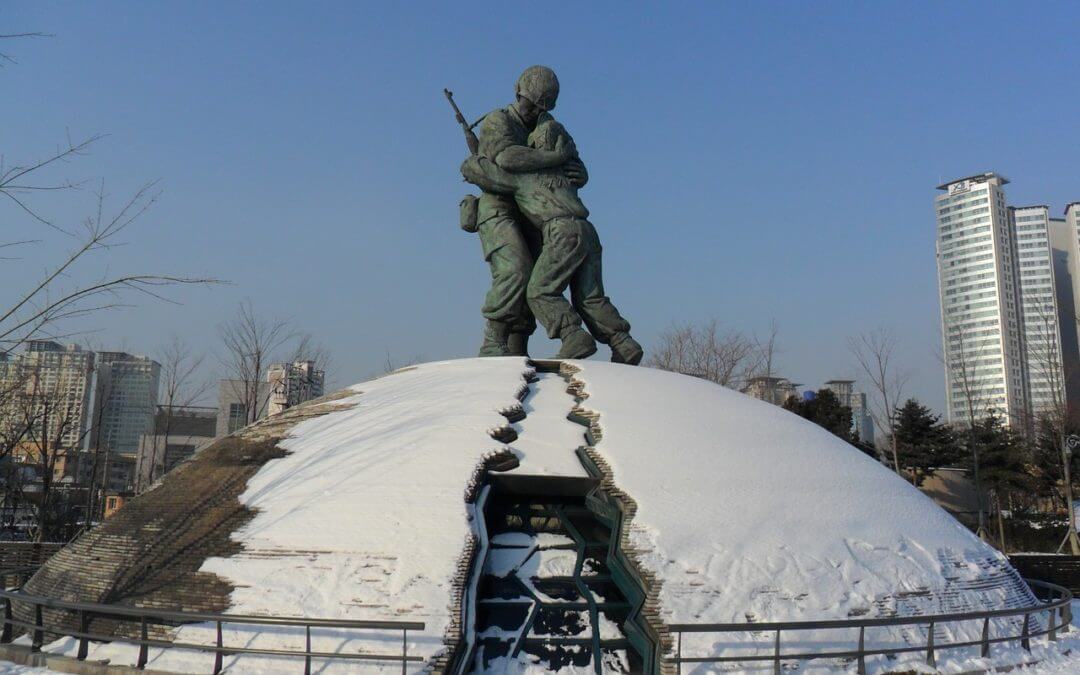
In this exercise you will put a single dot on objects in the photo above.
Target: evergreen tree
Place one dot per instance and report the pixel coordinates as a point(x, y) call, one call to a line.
point(922, 441)
point(824, 410)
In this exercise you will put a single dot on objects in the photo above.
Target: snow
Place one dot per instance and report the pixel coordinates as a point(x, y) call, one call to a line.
point(745, 512)
point(546, 438)
point(365, 517)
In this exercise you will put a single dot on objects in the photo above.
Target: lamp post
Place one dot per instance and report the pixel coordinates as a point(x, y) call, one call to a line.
point(1068, 444)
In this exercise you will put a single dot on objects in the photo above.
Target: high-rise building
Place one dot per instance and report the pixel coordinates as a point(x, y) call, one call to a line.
point(862, 424)
point(1065, 249)
point(57, 383)
point(1072, 216)
point(980, 314)
point(1039, 317)
point(293, 383)
point(127, 393)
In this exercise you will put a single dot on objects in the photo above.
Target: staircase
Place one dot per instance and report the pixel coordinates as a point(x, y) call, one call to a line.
point(545, 594)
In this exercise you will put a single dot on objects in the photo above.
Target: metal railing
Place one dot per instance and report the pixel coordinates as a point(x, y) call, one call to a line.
point(1058, 608)
point(147, 616)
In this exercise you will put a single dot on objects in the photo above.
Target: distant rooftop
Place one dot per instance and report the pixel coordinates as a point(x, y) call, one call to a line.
point(978, 178)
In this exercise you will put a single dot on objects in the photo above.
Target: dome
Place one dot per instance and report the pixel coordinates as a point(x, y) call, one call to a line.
point(529, 514)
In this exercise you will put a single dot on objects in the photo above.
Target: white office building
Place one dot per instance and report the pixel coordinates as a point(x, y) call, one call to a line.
point(1039, 309)
point(980, 314)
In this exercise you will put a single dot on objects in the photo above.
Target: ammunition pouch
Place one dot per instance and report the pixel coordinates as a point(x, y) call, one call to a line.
point(468, 208)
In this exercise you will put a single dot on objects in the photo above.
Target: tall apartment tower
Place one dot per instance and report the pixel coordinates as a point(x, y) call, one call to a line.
point(127, 394)
point(980, 300)
point(61, 378)
point(1039, 312)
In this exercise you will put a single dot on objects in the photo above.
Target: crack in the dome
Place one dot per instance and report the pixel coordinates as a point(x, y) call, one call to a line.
point(648, 611)
point(498, 459)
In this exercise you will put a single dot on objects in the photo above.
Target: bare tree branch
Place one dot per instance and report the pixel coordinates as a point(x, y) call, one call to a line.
point(875, 353)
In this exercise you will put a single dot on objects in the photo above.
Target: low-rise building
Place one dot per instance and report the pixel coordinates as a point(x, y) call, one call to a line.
point(773, 390)
point(293, 383)
point(179, 432)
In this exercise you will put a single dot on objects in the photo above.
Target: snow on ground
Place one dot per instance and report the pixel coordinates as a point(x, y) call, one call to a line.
point(747, 512)
point(546, 438)
point(365, 517)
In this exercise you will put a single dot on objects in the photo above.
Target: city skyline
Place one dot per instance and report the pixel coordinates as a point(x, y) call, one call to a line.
point(820, 151)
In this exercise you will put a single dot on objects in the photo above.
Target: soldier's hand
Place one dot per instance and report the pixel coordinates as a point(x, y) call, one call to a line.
point(575, 171)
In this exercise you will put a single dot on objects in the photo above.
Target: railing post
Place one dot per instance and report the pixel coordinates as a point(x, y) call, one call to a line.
point(776, 654)
point(1066, 616)
point(142, 643)
point(678, 655)
point(1025, 642)
point(862, 652)
point(1053, 627)
point(5, 634)
point(217, 652)
point(84, 628)
point(986, 638)
point(39, 633)
point(404, 650)
point(307, 650)
point(931, 660)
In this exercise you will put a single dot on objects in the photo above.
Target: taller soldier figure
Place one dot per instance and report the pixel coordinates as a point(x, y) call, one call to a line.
point(511, 245)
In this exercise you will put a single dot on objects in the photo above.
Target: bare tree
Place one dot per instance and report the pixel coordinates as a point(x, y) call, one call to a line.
point(1049, 404)
point(875, 352)
point(965, 352)
point(706, 351)
point(250, 344)
point(766, 351)
point(6, 57)
point(56, 429)
point(52, 299)
point(179, 388)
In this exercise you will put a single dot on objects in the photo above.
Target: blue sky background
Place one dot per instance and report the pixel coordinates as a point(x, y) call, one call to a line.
point(748, 161)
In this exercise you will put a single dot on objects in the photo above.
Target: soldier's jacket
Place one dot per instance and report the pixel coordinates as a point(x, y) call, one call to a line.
point(500, 129)
point(540, 195)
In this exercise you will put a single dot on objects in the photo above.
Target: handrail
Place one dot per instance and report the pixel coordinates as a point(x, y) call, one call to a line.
point(146, 616)
point(1059, 607)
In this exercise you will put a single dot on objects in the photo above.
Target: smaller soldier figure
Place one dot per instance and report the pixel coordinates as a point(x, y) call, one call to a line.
point(571, 251)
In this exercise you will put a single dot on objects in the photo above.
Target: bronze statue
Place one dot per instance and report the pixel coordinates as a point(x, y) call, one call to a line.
point(535, 233)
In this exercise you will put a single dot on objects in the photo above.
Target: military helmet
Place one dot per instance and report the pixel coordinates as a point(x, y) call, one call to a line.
point(539, 85)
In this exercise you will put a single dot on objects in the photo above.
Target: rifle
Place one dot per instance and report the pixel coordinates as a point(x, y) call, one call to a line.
point(470, 138)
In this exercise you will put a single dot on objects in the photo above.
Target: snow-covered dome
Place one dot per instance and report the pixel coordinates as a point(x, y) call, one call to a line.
point(736, 510)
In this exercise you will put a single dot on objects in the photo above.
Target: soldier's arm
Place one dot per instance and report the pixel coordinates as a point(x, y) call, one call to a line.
point(486, 175)
point(523, 159)
point(497, 142)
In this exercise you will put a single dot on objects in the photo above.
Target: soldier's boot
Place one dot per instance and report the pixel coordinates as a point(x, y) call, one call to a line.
point(496, 333)
point(625, 349)
point(576, 344)
point(518, 344)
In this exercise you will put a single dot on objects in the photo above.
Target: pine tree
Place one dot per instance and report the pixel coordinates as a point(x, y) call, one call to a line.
point(923, 442)
point(824, 410)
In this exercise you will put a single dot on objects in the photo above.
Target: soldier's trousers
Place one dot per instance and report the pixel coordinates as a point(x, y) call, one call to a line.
point(571, 257)
point(510, 257)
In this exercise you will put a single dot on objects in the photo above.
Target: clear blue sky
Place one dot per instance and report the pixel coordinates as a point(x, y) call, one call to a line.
point(748, 160)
